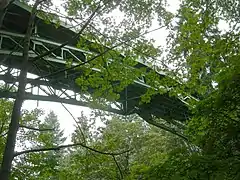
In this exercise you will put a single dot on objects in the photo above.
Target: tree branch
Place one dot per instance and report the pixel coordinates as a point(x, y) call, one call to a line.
point(67, 146)
point(4, 134)
point(93, 58)
point(161, 126)
point(79, 128)
point(8, 154)
point(81, 64)
point(81, 131)
point(73, 38)
point(118, 166)
point(1, 129)
point(35, 129)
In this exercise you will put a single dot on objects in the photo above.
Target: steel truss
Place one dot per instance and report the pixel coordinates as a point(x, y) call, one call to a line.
point(62, 87)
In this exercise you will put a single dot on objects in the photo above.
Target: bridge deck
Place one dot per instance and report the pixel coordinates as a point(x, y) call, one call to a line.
point(46, 37)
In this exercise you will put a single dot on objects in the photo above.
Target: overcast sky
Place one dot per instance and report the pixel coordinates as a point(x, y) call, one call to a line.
point(66, 121)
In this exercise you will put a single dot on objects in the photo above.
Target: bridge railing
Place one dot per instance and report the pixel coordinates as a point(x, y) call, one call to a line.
point(12, 44)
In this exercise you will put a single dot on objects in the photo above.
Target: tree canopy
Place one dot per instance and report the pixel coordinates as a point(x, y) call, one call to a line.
point(201, 61)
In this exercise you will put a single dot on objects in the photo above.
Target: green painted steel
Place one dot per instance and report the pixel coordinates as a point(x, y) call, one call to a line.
point(45, 37)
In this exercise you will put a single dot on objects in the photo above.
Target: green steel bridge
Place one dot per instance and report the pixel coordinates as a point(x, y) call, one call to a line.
point(62, 87)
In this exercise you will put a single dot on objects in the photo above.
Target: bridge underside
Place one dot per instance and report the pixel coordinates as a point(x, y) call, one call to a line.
point(62, 86)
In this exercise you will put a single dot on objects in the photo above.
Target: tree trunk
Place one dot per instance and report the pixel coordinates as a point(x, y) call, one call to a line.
point(8, 154)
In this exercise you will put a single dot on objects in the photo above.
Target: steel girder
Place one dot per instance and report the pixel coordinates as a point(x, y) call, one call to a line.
point(62, 87)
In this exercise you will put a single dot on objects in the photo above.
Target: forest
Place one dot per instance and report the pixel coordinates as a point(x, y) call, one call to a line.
point(200, 59)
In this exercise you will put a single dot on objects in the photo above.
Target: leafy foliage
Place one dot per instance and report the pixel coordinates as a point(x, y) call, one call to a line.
point(148, 146)
point(184, 165)
point(206, 58)
point(5, 114)
point(42, 165)
point(204, 61)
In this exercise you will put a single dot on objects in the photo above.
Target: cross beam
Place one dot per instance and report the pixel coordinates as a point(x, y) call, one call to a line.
point(62, 88)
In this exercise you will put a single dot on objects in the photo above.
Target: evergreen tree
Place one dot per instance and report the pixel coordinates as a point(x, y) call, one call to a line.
point(41, 165)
